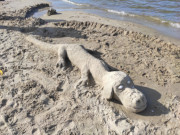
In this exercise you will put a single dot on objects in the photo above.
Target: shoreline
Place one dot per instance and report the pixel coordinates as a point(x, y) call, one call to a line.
point(130, 26)
point(38, 98)
point(151, 22)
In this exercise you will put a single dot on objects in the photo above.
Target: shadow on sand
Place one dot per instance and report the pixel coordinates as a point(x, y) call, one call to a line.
point(154, 108)
point(52, 32)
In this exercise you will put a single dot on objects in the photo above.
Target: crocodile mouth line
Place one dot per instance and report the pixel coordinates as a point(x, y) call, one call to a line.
point(138, 109)
point(144, 106)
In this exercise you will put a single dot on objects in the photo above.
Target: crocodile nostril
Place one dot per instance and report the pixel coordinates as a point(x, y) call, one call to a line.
point(138, 101)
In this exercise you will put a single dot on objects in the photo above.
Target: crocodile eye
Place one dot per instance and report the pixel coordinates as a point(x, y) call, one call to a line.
point(128, 82)
point(120, 87)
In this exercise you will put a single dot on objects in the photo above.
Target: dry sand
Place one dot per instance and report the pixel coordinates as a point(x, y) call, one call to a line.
point(37, 98)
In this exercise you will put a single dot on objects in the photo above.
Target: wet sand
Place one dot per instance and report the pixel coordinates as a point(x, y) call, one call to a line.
point(38, 98)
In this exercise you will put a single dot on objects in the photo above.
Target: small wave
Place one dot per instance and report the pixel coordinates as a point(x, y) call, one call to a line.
point(176, 25)
point(74, 3)
point(173, 24)
point(120, 12)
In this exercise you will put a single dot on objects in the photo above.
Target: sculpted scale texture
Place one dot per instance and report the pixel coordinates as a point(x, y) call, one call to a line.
point(116, 84)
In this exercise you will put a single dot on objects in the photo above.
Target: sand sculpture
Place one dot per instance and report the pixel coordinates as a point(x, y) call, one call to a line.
point(116, 84)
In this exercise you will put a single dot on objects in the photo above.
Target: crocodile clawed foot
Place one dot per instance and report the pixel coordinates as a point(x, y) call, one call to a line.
point(82, 82)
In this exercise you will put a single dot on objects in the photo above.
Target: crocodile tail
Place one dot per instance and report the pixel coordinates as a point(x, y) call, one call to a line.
point(43, 45)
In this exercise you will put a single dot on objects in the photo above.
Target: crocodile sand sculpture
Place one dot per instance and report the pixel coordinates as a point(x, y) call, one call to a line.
point(116, 84)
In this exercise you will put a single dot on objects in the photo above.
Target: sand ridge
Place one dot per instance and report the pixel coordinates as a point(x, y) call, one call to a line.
point(38, 98)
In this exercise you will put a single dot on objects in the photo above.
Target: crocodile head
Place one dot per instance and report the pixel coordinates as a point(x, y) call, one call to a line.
point(119, 85)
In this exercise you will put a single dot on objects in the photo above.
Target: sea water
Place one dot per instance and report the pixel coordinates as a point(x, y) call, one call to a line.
point(162, 15)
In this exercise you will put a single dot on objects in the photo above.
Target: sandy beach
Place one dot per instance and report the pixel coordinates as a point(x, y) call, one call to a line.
point(38, 98)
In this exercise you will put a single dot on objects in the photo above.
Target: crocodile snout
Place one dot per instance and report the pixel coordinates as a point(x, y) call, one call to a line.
point(133, 100)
